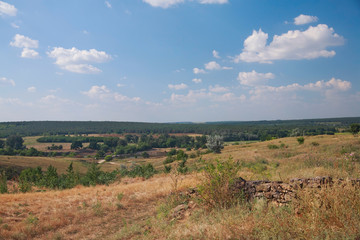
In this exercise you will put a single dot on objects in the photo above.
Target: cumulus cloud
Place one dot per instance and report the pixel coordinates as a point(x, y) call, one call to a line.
point(181, 86)
point(107, 4)
point(215, 66)
point(198, 70)
point(213, 1)
point(293, 45)
point(329, 88)
point(6, 81)
point(77, 61)
point(29, 53)
point(163, 3)
point(22, 41)
point(304, 19)
point(7, 9)
point(215, 54)
point(212, 66)
point(197, 80)
point(217, 88)
point(254, 78)
point(194, 96)
point(104, 94)
point(31, 89)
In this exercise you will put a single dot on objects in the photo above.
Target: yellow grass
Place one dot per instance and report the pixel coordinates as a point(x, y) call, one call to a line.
point(96, 212)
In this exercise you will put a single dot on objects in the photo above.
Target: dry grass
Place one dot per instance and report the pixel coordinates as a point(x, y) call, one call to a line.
point(82, 213)
point(97, 213)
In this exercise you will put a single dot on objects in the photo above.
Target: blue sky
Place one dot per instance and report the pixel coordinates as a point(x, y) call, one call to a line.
point(179, 60)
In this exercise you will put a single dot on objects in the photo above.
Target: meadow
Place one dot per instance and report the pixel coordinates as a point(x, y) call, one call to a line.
point(138, 208)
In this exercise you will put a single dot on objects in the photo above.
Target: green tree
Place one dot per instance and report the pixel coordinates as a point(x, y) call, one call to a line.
point(355, 128)
point(2, 144)
point(215, 143)
point(301, 140)
point(76, 145)
point(15, 142)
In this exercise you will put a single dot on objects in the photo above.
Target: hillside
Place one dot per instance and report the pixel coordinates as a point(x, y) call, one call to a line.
point(135, 208)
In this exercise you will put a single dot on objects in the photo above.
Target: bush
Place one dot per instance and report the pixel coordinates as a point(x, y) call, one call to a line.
point(167, 168)
point(273, 146)
point(108, 158)
point(301, 140)
point(3, 183)
point(145, 155)
point(216, 189)
point(315, 144)
point(215, 143)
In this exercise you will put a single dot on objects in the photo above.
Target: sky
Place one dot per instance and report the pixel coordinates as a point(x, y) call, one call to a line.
point(179, 60)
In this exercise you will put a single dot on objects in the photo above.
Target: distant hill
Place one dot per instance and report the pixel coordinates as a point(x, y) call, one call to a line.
point(275, 128)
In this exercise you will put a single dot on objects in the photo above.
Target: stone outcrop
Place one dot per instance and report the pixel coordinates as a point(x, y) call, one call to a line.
point(282, 193)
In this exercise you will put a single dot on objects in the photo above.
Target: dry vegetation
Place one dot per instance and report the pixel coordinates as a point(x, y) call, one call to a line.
point(141, 209)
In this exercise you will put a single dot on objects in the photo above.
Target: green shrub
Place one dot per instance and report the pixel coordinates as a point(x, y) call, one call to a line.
point(108, 158)
point(315, 144)
point(3, 183)
point(273, 146)
point(216, 189)
point(301, 140)
point(167, 168)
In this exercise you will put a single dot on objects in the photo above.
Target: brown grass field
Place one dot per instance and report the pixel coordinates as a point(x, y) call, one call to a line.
point(140, 209)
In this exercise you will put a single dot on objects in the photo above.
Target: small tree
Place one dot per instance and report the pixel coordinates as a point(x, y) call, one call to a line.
point(15, 142)
point(355, 129)
point(215, 143)
point(76, 145)
point(301, 140)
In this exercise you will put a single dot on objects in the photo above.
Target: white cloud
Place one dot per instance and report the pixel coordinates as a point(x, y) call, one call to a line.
point(213, 1)
point(293, 45)
point(31, 89)
point(215, 66)
point(29, 53)
point(6, 81)
point(75, 60)
point(7, 9)
point(163, 3)
point(215, 54)
point(254, 78)
point(304, 19)
point(329, 88)
point(197, 80)
point(198, 70)
point(104, 94)
point(212, 66)
point(14, 25)
point(181, 86)
point(217, 88)
point(120, 85)
point(22, 41)
point(336, 84)
point(194, 96)
point(107, 4)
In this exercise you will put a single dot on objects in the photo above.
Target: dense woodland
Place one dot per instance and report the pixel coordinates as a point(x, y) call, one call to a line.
point(231, 131)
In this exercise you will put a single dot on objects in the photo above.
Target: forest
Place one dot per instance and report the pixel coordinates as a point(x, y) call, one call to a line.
point(231, 131)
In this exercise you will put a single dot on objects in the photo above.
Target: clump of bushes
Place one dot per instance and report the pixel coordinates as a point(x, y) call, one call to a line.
point(300, 140)
point(219, 177)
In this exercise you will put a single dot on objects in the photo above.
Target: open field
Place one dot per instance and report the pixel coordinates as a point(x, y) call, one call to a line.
point(141, 209)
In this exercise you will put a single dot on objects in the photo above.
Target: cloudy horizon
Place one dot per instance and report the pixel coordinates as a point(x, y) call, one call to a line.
point(179, 60)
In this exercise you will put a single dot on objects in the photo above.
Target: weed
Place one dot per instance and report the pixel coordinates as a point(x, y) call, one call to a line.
point(216, 189)
point(315, 144)
point(31, 219)
point(273, 146)
point(3, 183)
point(98, 209)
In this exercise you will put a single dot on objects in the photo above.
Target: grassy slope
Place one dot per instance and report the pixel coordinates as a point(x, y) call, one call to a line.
point(96, 212)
